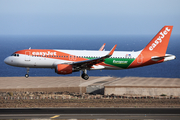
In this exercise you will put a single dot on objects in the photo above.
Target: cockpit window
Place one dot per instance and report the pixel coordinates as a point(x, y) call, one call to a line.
point(15, 55)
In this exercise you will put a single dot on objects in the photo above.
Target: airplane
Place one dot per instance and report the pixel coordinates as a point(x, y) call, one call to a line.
point(68, 61)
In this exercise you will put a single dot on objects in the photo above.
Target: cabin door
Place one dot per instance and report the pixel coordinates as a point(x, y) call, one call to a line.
point(27, 57)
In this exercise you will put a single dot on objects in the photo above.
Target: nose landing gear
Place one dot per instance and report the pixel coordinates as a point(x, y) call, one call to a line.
point(27, 75)
point(85, 75)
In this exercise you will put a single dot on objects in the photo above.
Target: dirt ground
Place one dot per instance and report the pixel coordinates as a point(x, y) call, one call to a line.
point(29, 99)
point(90, 103)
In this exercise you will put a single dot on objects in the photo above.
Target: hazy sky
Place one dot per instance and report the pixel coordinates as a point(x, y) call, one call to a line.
point(87, 17)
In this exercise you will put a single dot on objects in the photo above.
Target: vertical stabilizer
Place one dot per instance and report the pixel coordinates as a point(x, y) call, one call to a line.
point(156, 48)
point(160, 42)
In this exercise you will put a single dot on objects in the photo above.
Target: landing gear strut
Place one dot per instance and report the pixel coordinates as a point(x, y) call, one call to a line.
point(27, 75)
point(85, 75)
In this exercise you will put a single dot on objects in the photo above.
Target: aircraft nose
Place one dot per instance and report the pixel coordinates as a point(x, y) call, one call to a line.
point(7, 60)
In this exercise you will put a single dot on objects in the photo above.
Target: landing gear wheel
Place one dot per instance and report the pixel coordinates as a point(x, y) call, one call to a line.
point(85, 76)
point(26, 75)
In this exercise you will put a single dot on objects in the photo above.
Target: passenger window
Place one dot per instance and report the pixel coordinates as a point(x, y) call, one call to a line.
point(17, 55)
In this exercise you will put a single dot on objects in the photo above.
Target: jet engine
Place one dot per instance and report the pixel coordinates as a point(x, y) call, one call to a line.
point(64, 69)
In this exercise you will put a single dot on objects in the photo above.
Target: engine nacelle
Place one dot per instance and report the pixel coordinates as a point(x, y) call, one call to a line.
point(63, 69)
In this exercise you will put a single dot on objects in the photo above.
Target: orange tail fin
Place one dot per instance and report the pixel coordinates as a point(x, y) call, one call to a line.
point(156, 47)
point(160, 42)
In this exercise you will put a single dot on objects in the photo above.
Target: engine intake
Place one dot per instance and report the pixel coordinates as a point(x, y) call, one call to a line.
point(64, 69)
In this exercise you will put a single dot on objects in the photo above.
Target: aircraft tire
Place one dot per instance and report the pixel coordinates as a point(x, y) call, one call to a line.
point(82, 75)
point(85, 76)
point(26, 75)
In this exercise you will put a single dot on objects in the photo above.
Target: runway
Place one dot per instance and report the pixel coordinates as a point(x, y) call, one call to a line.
point(91, 113)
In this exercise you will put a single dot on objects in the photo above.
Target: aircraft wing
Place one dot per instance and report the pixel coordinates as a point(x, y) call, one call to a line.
point(88, 63)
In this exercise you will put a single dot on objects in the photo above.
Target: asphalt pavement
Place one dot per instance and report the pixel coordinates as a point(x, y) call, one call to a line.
point(91, 113)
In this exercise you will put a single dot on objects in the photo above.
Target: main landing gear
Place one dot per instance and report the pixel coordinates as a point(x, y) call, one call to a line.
point(27, 75)
point(85, 75)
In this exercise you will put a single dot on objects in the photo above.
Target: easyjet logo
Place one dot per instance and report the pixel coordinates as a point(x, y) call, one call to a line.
point(44, 53)
point(159, 39)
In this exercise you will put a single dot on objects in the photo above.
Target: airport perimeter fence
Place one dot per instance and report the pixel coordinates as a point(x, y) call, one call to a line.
point(86, 97)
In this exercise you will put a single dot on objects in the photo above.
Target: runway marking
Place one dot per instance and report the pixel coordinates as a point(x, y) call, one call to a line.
point(55, 116)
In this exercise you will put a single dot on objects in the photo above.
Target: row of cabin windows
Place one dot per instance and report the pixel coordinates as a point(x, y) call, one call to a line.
point(78, 56)
point(17, 55)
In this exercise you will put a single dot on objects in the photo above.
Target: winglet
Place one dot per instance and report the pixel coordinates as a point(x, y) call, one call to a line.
point(102, 48)
point(112, 50)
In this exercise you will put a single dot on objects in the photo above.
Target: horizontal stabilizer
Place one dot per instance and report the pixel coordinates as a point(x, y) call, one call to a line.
point(166, 58)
